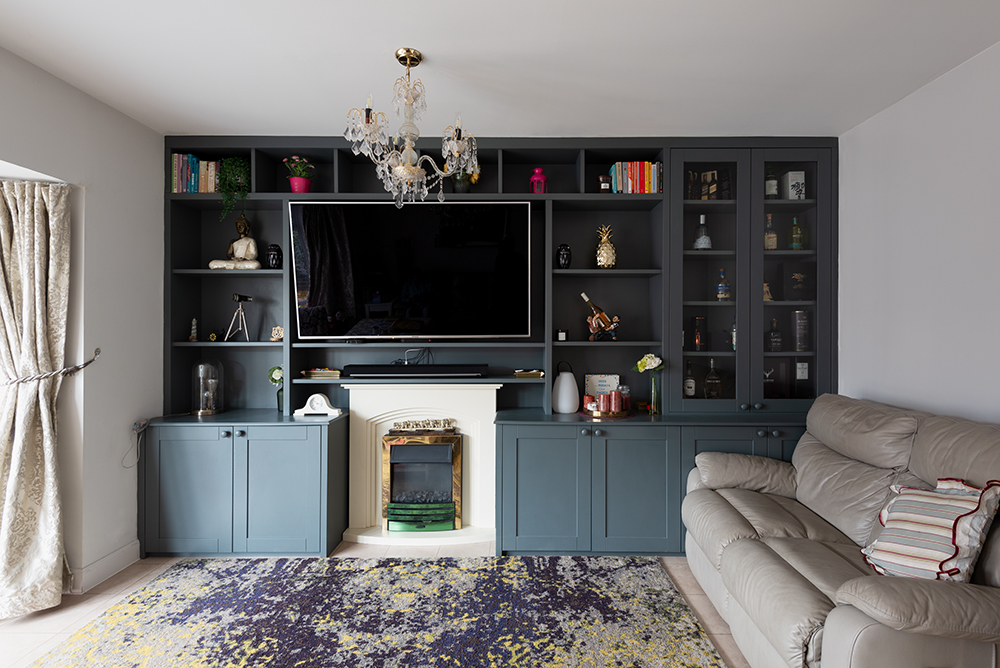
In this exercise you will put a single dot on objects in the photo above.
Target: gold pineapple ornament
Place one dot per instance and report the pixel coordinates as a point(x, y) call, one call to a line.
point(607, 256)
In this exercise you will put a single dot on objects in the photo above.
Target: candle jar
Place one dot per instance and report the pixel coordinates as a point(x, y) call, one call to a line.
point(604, 403)
point(616, 401)
point(604, 183)
point(626, 397)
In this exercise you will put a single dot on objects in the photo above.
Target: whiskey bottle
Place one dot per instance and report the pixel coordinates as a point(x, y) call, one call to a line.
point(770, 236)
point(722, 288)
point(773, 337)
point(597, 313)
point(796, 239)
point(770, 184)
point(689, 386)
point(713, 381)
point(702, 241)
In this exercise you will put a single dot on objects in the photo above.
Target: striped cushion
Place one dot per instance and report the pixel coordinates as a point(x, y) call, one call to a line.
point(934, 534)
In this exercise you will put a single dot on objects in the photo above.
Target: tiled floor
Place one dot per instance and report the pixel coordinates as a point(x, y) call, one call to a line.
point(25, 639)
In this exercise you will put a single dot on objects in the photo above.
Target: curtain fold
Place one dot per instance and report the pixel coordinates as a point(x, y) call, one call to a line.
point(34, 288)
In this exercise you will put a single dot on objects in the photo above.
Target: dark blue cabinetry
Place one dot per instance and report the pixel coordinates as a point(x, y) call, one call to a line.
point(239, 484)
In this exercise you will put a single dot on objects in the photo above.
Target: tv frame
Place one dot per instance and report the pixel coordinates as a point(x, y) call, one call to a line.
point(408, 337)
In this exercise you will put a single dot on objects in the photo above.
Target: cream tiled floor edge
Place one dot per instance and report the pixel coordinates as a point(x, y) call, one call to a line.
point(26, 639)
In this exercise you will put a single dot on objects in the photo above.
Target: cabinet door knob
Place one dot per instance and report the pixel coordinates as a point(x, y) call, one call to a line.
point(758, 407)
point(226, 434)
point(584, 431)
point(776, 433)
point(761, 433)
point(598, 432)
point(241, 433)
point(744, 407)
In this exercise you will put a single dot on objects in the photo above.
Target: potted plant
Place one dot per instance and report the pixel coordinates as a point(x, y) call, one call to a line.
point(301, 173)
point(234, 183)
point(276, 376)
point(462, 181)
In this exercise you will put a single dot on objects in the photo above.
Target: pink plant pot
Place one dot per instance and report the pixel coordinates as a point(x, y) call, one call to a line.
point(300, 184)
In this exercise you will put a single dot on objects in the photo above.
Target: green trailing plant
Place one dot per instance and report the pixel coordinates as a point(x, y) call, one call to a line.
point(234, 183)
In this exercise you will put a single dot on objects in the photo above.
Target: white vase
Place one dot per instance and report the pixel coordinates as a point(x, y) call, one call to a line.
point(565, 393)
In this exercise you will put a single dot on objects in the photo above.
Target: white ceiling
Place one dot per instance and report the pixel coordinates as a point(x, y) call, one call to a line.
point(516, 68)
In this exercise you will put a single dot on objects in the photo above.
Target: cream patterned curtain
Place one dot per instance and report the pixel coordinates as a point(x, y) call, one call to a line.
point(34, 286)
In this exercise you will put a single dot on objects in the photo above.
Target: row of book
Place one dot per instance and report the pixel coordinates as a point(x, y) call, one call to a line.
point(636, 177)
point(191, 175)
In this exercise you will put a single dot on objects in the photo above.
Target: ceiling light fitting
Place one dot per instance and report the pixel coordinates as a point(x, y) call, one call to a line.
point(401, 169)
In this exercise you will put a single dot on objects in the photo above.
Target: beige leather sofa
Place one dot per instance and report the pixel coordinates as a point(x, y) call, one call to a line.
point(776, 546)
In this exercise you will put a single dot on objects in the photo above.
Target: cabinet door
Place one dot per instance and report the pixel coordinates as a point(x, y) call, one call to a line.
point(189, 490)
point(545, 488)
point(278, 489)
point(800, 276)
point(636, 499)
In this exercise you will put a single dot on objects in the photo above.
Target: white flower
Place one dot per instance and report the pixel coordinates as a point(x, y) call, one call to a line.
point(648, 361)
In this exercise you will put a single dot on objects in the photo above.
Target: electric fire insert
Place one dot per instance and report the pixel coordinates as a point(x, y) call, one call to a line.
point(422, 479)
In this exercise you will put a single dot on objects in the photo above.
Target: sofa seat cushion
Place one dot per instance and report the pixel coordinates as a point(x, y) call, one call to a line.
point(788, 609)
point(717, 518)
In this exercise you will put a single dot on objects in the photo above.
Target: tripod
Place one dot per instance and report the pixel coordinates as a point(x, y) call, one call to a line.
point(239, 318)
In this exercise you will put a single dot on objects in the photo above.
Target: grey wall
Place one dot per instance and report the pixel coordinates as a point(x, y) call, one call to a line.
point(115, 303)
point(920, 247)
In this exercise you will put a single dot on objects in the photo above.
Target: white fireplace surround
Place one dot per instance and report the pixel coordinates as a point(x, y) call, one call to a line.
point(374, 409)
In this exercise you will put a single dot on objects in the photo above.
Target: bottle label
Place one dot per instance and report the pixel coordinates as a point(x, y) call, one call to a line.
point(795, 245)
point(771, 188)
point(689, 387)
point(722, 293)
point(703, 243)
point(770, 241)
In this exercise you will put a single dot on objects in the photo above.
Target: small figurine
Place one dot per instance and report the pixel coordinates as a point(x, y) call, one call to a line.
point(598, 333)
point(242, 252)
point(277, 333)
point(194, 330)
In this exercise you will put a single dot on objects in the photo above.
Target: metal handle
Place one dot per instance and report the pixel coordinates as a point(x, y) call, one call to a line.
point(226, 434)
point(241, 433)
point(744, 407)
point(758, 407)
point(776, 433)
point(761, 433)
point(584, 431)
point(598, 432)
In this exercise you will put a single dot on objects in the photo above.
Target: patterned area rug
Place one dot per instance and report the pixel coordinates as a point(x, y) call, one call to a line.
point(485, 611)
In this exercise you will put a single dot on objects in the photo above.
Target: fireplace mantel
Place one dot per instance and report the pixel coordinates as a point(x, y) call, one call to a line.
point(374, 409)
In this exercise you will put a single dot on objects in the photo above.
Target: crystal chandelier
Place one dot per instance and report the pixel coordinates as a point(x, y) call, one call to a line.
point(403, 173)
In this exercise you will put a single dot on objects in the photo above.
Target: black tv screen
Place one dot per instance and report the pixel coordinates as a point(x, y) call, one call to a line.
point(367, 270)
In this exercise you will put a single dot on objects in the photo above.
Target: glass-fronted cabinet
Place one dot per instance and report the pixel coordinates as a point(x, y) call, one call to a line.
point(751, 279)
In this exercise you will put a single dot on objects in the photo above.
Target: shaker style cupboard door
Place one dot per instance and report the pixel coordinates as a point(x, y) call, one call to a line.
point(637, 495)
point(545, 488)
point(279, 495)
point(189, 490)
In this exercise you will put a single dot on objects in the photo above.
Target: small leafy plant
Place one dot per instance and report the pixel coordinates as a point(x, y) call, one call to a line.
point(300, 167)
point(234, 183)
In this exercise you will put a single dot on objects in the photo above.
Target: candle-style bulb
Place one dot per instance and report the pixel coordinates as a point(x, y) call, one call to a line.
point(458, 121)
point(369, 105)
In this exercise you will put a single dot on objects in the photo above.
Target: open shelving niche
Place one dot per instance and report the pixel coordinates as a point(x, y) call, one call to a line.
point(570, 212)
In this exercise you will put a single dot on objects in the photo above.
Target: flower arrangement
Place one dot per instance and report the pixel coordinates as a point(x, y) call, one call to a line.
point(276, 375)
point(299, 167)
point(471, 177)
point(649, 362)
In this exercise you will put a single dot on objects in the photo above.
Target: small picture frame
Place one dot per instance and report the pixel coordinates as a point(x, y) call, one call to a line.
point(596, 384)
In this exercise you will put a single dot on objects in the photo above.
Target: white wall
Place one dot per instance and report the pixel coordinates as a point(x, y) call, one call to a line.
point(920, 247)
point(115, 302)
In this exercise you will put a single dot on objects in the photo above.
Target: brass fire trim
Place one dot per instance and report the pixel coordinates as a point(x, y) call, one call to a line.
point(455, 440)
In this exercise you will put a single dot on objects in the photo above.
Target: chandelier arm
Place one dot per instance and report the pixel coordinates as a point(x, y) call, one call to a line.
point(431, 162)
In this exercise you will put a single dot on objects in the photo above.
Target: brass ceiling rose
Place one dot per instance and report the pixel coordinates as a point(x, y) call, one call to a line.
point(408, 57)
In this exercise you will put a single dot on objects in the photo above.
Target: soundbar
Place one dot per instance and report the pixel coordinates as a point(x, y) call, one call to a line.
point(416, 370)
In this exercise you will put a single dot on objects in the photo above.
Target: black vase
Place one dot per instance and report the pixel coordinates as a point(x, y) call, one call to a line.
point(274, 256)
point(565, 256)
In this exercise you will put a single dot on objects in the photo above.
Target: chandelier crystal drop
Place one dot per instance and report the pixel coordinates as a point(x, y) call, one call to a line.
point(403, 172)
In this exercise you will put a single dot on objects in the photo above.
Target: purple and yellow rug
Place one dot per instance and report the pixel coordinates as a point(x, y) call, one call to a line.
point(484, 611)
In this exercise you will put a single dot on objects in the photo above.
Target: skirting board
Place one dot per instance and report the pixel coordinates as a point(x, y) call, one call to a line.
point(90, 576)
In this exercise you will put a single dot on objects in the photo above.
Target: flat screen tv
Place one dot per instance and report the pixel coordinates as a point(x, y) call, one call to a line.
point(453, 270)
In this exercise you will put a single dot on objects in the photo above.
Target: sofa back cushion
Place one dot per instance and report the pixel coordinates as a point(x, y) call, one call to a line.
point(866, 431)
point(949, 447)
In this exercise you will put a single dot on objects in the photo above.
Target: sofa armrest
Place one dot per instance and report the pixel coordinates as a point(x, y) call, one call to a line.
point(726, 470)
point(932, 607)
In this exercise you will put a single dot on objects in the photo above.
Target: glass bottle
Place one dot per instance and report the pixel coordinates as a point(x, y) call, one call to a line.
point(713, 381)
point(796, 238)
point(770, 184)
point(773, 337)
point(733, 329)
point(689, 386)
point(770, 236)
point(597, 313)
point(702, 241)
point(722, 293)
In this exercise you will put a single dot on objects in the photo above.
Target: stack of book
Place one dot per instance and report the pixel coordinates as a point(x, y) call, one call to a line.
point(191, 175)
point(528, 373)
point(321, 373)
point(636, 177)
